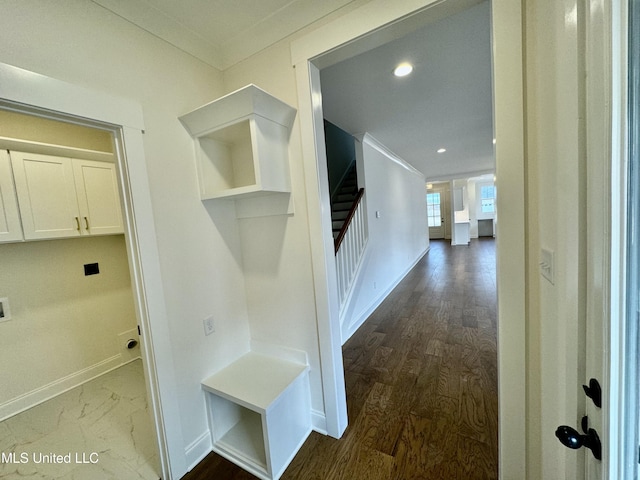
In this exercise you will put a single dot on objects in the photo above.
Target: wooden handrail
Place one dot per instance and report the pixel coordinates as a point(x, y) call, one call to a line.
point(347, 221)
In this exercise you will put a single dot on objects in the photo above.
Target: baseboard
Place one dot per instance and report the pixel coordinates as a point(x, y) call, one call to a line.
point(319, 422)
point(364, 314)
point(35, 397)
point(198, 449)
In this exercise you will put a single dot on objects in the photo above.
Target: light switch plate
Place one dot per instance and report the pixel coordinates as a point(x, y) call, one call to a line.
point(209, 325)
point(547, 268)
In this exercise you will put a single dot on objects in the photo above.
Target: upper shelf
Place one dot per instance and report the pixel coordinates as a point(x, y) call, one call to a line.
point(255, 380)
point(242, 144)
point(7, 143)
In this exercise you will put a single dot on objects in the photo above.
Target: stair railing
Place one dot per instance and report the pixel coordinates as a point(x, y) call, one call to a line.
point(349, 246)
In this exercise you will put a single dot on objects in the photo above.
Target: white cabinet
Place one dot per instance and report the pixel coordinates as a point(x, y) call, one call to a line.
point(61, 197)
point(260, 413)
point(10, 227)
point(47, 195)
point(98, 197)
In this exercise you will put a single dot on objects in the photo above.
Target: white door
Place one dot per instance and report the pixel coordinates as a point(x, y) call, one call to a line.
point(47, 195)
point(437, 211)
point(10, 227)
point(98, 197)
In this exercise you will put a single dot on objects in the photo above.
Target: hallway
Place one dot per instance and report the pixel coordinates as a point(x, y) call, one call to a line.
point(421, 381)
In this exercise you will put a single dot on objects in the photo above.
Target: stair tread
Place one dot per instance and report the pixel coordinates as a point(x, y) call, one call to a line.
point(342, 206)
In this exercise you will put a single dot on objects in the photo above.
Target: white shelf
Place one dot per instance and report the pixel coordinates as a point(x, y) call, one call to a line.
point(7, 143)
point(242, 145)
point(254, 380)
point(259, 412)
point(246, 440)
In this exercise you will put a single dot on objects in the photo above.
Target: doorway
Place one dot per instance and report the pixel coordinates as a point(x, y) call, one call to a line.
point(309, 55)
point(74, 355)
point(439, 210)
point(27, 92)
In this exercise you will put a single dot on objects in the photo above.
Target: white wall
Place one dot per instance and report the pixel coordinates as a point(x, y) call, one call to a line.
point(44, 130)
point(554, 222)
point(63, 322)
point(199, 245)
point(398, 238)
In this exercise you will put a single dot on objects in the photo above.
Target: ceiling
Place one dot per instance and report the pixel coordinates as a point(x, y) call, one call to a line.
point(223, 32)
point(446, 102)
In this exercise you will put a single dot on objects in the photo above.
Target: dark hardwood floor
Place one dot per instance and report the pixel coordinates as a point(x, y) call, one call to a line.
point(421, 378)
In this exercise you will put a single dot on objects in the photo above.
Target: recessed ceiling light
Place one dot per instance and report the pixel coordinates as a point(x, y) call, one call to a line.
point(441, 150)
point(403, 70)
point(494, 141)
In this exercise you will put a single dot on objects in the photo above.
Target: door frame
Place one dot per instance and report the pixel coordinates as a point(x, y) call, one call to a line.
point(319, 49)
point(621, 409)
point(28, 92)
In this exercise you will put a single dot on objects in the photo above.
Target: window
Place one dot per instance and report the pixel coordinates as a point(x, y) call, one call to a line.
point(488, 198)
point(433, 210)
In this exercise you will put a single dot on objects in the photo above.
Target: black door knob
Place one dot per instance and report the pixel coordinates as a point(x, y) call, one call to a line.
point(570, 437)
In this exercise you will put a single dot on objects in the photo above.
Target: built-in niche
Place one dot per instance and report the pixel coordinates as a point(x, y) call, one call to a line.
point(242, 142)
point(259, 405)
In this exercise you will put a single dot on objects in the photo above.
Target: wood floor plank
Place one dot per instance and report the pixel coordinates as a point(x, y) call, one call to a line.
point(421, 381)
point(365, 463)
point(449, 379)
point(412, 454)
point(474, 460)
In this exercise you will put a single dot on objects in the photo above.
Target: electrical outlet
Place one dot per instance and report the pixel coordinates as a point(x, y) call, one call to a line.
point(209, 325)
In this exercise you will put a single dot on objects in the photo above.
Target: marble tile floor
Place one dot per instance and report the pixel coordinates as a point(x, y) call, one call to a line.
point(98, 431)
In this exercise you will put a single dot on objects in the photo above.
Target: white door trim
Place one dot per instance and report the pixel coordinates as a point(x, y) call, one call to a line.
point(619, 414)
point(507, 38)
point(29, 92)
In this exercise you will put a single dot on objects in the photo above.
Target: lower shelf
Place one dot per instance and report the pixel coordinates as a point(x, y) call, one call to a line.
point(259, 412)
point(245, 439)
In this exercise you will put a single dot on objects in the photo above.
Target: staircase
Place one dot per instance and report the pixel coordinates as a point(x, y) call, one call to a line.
point(350, 233)
point(342, 200)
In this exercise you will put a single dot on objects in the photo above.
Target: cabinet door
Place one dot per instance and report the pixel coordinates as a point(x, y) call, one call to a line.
point(47, 195)
point(98, 197)
point(10, 227)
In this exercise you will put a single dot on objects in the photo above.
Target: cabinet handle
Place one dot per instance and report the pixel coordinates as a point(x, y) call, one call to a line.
point(86, 222)
point(77, 224)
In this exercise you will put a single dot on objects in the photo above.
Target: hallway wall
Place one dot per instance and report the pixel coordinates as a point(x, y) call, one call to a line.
point(395, 196)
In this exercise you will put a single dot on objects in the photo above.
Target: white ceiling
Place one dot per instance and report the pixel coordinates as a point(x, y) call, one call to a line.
point(223, 32)
point(445, 103)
